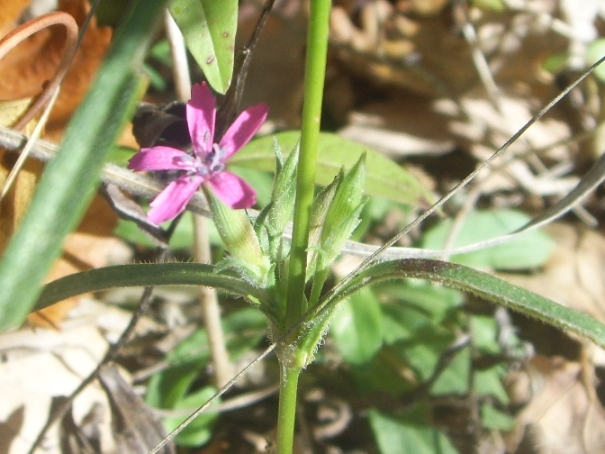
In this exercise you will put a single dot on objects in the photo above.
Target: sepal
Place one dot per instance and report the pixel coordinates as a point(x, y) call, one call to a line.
point(240, 241)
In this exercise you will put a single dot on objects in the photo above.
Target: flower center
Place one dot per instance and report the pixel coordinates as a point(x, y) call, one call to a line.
point(207, 166)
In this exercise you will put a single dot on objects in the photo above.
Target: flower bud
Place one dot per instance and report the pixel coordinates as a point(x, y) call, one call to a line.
point(240, 240)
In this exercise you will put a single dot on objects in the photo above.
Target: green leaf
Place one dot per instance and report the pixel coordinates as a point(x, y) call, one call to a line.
point(454, 379)
point(413, 305)
point(182, 237)
point(240, 240)
point(484, 330)
point(596, 50)
point(480, 284)
point(526, 251)
point(143, 275)
point(199, 431)
point(243, 330)
point(71, 178)
point(357, 327)
point(384, 178)
point(423, 352)
point(494, 5)
point(383, 375)
point(167, 388)
point(495, 419)
point(407, 435)
point(488, 382)
point(401, 322)
point(209, 28)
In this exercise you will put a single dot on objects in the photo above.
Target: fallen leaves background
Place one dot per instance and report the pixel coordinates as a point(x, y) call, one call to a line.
point(404, 78)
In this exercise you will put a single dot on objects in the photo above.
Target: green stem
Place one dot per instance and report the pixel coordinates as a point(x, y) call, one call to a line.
point(317, 50)
point(288, 387)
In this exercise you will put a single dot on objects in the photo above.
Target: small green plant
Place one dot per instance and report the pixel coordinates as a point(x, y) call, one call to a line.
point(282, 274)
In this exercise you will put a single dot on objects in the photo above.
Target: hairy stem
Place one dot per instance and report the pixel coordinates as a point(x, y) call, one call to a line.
point(288, 387)
point(317, 50)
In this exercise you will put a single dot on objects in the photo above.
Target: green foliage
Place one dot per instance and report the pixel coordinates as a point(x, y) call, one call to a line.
point(274, 218)
point(158, 54)
point(357, 327)
point(199, 431)
point(596, 50)
point(209, 29)
point(526, 251)
point(494, 5)
point(408, 433)
point(495, 419)
point(146, 274)
point(384, 178)
point(455, 378)
point(182, 237)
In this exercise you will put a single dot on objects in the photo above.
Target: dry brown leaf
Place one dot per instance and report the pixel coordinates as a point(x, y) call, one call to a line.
point(10, 10)
point(25, 69)
point(85, 64)
point(276, 70)
point(560, 418)
point(402, 125)
point(395, 45)
point(42, 364)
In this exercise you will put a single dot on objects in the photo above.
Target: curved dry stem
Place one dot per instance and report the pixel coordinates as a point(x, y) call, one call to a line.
point(27, 29)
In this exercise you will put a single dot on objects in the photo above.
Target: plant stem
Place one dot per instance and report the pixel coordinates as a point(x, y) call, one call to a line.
point(315, 71)
point(288, 387)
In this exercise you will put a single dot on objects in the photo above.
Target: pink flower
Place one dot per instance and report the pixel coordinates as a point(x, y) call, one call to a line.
point(207, 165)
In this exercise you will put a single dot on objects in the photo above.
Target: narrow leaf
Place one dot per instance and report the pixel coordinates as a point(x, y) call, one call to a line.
point(142, 275)
point(71, 178)
point(481, 284)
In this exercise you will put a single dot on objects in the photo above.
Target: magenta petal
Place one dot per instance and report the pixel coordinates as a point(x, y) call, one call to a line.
point(201, 113)
point(160, 158)
point(232, 190)
point(243, 129)
point(173, 200)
